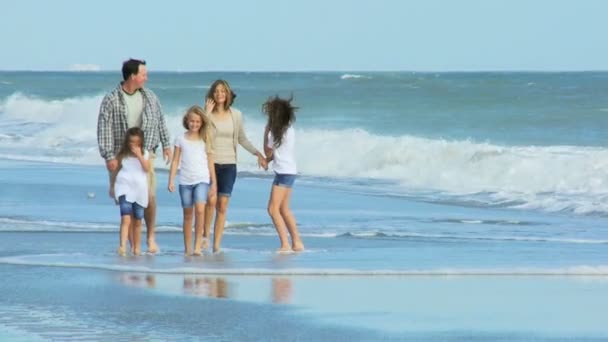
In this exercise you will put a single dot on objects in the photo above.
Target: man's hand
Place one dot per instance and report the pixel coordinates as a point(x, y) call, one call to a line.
point(112, 165)
point(167, 155)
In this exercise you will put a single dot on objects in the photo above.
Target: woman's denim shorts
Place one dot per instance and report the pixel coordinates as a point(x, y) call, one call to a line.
point(128, 208)
point(192, 194)
point(284, 180)
point(226, 176)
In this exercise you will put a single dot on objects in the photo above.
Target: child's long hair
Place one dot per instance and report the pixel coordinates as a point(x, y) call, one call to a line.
point(230, 95)
point(125, 149)
point(281, 114)
point(205, 131)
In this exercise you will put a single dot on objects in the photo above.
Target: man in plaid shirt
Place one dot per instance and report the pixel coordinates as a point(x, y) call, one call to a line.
point(130, 105)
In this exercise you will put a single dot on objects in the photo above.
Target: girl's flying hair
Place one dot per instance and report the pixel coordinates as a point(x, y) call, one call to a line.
point(281, 114)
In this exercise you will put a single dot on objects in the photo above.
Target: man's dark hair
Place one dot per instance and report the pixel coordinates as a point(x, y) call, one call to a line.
point(131, 67)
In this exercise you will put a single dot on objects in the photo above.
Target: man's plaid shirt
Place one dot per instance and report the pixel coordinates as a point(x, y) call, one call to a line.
point(112, 123)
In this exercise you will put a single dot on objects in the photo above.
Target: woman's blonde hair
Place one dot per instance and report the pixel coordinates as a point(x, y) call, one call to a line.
point(205, 131)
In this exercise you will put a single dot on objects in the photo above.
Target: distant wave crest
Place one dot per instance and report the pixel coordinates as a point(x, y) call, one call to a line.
point(354, 76)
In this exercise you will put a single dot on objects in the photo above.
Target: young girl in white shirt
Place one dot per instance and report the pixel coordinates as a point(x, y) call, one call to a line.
point(129, 186)
point(194, 155)
point(279, 146)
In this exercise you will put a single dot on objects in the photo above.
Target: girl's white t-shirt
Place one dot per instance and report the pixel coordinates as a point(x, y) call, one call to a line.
point(284, 160)
point(132, 181)
point(193, 167)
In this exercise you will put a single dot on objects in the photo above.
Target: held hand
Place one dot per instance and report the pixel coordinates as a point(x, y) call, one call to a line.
point(112, 165)
point(209, 106)
point(262, 163)
point(167, 155)
point(265, 164)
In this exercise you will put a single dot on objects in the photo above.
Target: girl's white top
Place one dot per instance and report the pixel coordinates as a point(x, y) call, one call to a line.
point(132, 181)
point(284, 161)
point(193, 167)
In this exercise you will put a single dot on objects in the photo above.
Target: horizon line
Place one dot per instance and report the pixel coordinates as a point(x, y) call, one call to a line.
point(323, 71)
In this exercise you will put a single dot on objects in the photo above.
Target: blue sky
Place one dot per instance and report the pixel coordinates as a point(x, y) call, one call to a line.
point(304, 35)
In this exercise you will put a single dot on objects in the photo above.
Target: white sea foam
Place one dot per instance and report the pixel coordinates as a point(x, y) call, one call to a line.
point(353, 76)
point(21, 225)
point(552, 178)
point(110, 265)
point(250, 229)
point(472, 236)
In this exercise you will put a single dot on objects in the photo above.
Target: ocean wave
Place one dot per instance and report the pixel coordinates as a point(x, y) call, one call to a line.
point(8, 224)
point(465, 171)
point(267, 229)
point(412, 235)
point(110, 265)
point(354, 76)
point(571, 179)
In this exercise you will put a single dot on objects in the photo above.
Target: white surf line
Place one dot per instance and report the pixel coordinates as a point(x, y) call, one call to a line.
point(587, 271)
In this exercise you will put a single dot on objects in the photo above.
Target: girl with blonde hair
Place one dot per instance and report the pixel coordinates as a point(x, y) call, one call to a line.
point(193, 154)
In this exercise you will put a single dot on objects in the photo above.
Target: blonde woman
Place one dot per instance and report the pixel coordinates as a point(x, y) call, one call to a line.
point(228, 134)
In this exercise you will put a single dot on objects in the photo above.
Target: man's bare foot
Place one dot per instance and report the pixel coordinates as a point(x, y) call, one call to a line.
point(216, 249)
point(205, 243)
point(197, 252)
point(188, 252)
point(297, 246)
point(136, 252)
point(122, 251)
point(152, 247)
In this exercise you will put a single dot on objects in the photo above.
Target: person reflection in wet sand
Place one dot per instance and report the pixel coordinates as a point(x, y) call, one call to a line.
point(138, 280)
point(281, 290)
point(206, 287)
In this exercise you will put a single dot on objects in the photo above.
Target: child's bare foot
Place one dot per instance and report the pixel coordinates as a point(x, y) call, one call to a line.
point(152, 247)
point(297, 246)
point(136, 252)
point(188, 252)
point(205, 243)
point(197, 252)
point(216, 249)
point(197, 247)
point(122, 251)
point(284, 249)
